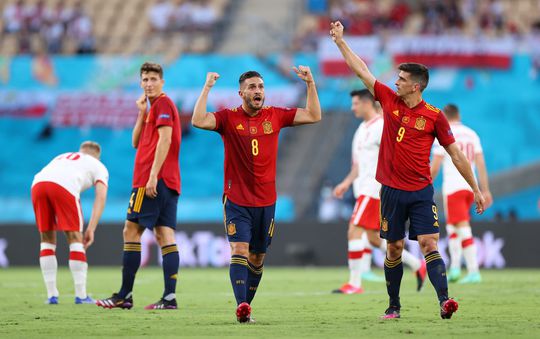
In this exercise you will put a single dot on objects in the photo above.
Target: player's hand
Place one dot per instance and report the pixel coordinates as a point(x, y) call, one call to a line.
point(480, 202)
point(151, 187)
point(488, 199)
point(340, 190)
point(141, 103)
point(88, 238)
point(336, 31)
point(304, 73)
point(211, 78)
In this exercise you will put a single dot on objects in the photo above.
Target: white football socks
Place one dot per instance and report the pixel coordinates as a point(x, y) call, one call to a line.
point(356, 249)
point(454, 247)
point(78, 268)
point(469, 248)
point(49, 267)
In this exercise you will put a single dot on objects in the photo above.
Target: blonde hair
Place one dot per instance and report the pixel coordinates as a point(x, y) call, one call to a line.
point(92, 146)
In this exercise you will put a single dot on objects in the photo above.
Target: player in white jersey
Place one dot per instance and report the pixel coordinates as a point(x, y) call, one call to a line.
point(458, 197)
point(55, 197)
point(365, 218)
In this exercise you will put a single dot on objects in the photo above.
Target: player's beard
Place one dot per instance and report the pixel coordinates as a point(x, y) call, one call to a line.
point(254, 105)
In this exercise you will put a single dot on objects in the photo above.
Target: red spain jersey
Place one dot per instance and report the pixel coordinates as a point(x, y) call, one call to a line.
point(407, 138)
point(251, 148)
point(162, 113)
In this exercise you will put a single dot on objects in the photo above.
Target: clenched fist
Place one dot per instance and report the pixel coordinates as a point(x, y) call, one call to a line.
point(211, 78)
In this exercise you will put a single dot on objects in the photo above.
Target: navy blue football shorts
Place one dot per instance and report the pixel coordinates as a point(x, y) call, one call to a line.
point(254, 225)
point(398, 206)
point(149, 212)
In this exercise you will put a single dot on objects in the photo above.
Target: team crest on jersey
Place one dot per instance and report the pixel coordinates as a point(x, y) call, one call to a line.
point(420, 123)
point(231, 229)
point(253, 130)
point(384, 225)
point(396, 113)
point(267, 127)
point(405, 119)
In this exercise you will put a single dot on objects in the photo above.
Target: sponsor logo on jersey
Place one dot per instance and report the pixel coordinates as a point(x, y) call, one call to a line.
point(267, 127)
point(436, 224)
point(405, 119)
point(396, 113)
point(420, 124)
point(231, 229)
point(384, 225)
point(164, 116)
point(240, 127)
point(253, 130)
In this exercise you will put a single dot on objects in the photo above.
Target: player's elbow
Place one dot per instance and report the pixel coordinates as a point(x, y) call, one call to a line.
point(197, 122)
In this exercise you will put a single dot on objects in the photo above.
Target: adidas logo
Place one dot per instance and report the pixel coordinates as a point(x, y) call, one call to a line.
point(240, 127)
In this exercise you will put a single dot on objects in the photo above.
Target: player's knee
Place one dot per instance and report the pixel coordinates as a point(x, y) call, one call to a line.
point(131, 234)
point(240, 248)
point(256, 259)
point(73, 237)
point(354, 232)
point(394, 250)
point(427, 244)
point(164, 235)
point(49, 237)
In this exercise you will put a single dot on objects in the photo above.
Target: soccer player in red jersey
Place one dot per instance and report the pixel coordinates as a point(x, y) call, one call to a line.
point(156, 187)
point(410, 128)
point(250, 135)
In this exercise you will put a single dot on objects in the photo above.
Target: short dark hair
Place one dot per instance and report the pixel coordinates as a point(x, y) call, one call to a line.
point(152, 67)
point(451, 111)
point(419, 73)
point(362, 94)
point(249, 75)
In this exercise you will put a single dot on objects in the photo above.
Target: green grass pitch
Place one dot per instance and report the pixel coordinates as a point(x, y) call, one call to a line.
point(291, 302)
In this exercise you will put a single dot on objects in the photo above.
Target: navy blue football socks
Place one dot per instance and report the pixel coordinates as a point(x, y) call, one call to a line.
point(170, 263)
point(130, 264)
point(254, 278)
point(393, 272)
point(437, 274)
point(238, 271)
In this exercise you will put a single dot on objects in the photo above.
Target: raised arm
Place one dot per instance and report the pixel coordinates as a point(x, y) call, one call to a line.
point(355, 63)
point(312, 112)
point(483, 178)
point(464, 168)
point(201, 118)
point(97, 210)
point(162, 148)
point(436, 165)
point(343, 187)
point(136, 134)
